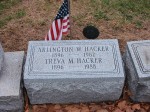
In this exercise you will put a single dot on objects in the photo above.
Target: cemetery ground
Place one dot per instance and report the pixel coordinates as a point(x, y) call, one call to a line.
point(25, 20)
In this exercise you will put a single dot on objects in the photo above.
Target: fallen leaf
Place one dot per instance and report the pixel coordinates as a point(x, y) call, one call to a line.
point(122, 104)
point(102, 110)
point(51, 108)
point(57, 107)
point(128, 109)
point(146, 107)
point(111, 107)
point(40, 108)
point(85, 109)
point(118, 110)
point(72, 109)
point(136, 107)
point(58, 111)
point(143, 110)
point(94, 107)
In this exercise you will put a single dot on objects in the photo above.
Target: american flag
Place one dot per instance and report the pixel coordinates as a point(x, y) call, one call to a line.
point(61, 24)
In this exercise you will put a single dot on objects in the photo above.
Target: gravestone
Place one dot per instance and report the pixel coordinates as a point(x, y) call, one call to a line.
point(1, 57)
point(137, 61)
point(73, 71)
point(11, 95)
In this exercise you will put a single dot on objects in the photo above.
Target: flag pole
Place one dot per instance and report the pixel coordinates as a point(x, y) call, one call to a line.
point(69, 17)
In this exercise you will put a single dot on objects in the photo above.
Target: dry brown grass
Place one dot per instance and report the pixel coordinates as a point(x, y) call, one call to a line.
point(40, 13)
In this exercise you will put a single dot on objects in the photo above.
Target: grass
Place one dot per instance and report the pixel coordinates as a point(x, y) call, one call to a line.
point(19, 14)
point(138, 24)
point(5, 5)
point(101, 15)
point(133, 11)
point(122, 11)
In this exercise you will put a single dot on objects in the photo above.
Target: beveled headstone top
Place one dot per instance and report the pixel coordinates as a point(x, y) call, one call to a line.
point(11, 74)
point(1, 56)
point(140, 53)
point(73, 58)
point(11, 93)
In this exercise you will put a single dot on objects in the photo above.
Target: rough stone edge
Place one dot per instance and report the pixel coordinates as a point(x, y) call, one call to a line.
point(131, 75)
point(1, 58)
point(135, 85)
point(34, 97)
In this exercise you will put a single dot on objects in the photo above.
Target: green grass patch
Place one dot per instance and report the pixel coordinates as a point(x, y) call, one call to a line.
point(101, 15)
point(6, 4)
point(138, 24)
point(19, 14)
point(125, 10)
point(133, 8)
point(5, 20)
point(78, 17)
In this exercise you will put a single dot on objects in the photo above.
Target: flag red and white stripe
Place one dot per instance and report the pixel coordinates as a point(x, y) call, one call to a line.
point(61, 24)
point(58, 28)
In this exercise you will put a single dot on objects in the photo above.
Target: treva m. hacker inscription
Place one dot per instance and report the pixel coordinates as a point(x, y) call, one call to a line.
point(74, 71)
point(137, 61)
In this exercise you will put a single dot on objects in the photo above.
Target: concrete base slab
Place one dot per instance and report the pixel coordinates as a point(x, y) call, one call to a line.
point(11, 96)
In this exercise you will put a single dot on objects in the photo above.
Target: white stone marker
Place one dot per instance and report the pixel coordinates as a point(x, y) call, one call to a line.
point(137, 61)
point(73, 71)
point(1, 57)
point(11, 96)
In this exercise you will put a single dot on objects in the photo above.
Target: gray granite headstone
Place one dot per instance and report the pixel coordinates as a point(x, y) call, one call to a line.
point(1, 57)
point(73, 71)
point(11, 95)
point(137, 61)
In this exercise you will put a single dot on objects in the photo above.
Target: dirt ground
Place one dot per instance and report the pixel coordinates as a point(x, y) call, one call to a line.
point(15, 36)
